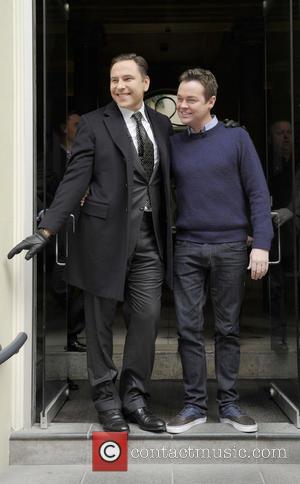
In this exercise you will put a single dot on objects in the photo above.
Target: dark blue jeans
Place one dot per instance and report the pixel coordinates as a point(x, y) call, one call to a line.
point(223, 266)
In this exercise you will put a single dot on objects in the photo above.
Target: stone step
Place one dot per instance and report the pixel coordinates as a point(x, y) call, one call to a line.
point(212, 443)
point(68, 439)
point(166, 474)
point(257, 361)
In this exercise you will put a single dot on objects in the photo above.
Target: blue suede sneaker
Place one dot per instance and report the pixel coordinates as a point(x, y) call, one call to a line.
point(233, 415)
point(187, 418)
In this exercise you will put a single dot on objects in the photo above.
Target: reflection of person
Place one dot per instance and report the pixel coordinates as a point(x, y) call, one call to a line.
point(68, 132)
point(281, 188)
point(122, 236)
point(62, 141)
point(218, 177)
point(76, 322)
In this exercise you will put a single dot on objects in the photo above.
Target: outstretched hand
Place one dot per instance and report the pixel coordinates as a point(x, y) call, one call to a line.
point(34, 244)
point(258, 263)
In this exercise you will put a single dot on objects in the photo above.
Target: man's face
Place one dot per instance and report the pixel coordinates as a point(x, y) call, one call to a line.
point(281, 133)
point(71, 127)
point(127, 85)
point(192, 107)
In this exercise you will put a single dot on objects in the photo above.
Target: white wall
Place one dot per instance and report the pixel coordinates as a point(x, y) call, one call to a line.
point(6, 211)
point(16, 159)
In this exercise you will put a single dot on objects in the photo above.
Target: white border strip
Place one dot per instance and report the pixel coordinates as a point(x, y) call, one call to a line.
point(22, 207)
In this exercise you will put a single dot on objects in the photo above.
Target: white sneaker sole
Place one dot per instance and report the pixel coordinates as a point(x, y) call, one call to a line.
point(240, 427)
point(184, 428)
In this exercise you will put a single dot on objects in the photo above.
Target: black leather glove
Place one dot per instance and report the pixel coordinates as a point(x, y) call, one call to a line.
point(230, 123)
point(35, 243)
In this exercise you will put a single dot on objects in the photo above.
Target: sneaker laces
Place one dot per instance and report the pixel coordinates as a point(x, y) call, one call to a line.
point(190, 411)
point(231, 410)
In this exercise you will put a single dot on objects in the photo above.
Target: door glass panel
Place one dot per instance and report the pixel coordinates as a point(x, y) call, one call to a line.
point(296, 153)
point(51, 290)
point(231, 43)
point(282, 170)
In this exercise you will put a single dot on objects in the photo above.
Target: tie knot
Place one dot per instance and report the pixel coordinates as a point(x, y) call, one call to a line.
point(137, 117)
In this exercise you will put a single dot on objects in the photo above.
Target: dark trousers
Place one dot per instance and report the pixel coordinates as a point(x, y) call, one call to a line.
point(142, 305)
point(223, 267)
point(76, 321)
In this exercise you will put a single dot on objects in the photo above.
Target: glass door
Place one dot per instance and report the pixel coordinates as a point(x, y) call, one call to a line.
point(51, 159)
point(283, 175)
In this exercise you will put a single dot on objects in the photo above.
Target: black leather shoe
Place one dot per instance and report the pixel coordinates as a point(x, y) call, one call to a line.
point(146, 420)
point(72, 385)
point(113, 421)
point(76, 346)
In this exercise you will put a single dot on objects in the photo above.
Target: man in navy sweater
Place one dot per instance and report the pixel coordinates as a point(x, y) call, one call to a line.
point(221, 190)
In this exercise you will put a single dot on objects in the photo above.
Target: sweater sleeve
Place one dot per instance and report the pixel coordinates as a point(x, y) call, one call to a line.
point(257, 193)
point(75, 181)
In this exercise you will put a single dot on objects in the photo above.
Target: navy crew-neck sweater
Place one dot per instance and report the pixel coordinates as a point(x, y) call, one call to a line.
point(219, 184)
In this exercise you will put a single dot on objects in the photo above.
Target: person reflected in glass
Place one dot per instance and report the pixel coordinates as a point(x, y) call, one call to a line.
point(281, 190)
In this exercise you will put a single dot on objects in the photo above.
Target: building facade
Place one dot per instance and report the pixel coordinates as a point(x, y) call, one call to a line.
point(54, 61)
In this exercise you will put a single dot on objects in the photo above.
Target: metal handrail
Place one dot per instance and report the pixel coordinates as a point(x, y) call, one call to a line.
point(12, 348)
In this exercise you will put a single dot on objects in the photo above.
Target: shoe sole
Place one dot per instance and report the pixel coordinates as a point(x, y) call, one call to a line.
point(147, 429)
point(184, 428)
point(106, 429)
point(240, 427)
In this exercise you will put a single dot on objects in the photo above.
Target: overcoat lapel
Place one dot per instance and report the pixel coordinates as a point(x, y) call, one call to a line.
point(116, 126)
point(161, 141)
point(120, 135)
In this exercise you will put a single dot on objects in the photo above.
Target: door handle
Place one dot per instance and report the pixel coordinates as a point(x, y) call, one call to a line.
point(274, 262)
point(57, 261)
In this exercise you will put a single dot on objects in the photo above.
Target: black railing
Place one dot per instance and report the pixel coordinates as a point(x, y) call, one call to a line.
point(12, 348)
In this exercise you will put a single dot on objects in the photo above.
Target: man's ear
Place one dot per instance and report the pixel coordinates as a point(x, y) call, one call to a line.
point(211, 101)
point(146, 83)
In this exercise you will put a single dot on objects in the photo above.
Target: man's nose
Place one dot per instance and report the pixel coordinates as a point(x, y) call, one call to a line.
point(183, 104)
point(120, 85)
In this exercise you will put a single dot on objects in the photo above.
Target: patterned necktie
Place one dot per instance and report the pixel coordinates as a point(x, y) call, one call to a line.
point(145, 146)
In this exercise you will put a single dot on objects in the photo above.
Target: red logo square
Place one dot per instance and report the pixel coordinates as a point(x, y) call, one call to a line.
point(110, 451)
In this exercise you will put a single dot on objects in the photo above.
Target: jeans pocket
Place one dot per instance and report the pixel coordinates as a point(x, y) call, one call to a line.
point(182, 243)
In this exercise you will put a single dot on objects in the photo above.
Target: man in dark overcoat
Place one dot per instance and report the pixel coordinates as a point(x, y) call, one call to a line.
point(121, 249)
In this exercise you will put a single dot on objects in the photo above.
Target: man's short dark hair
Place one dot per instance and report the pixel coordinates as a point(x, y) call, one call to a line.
point(205, 77)
point(138, 59)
